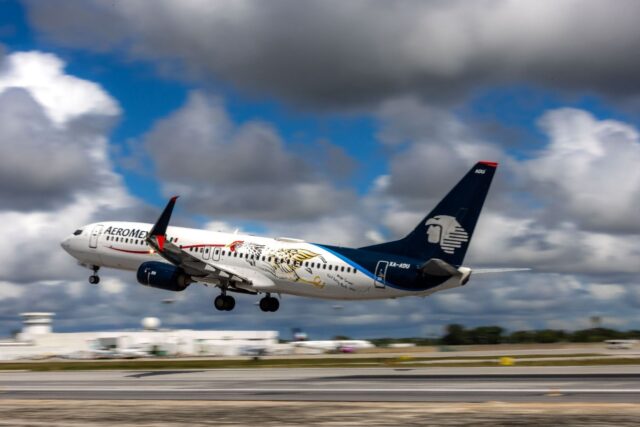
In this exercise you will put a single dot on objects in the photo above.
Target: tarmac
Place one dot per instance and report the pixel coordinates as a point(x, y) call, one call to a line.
point(605, 384)
point(544, 396)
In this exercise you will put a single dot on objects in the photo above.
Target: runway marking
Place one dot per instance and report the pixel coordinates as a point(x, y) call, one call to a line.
point(328, 390)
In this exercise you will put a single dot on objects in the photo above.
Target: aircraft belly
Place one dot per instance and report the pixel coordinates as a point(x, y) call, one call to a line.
point(338, 290)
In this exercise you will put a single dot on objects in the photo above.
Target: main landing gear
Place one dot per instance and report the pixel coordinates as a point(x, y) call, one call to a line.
point(269, 303)
point(94, 279)
point(224, 302)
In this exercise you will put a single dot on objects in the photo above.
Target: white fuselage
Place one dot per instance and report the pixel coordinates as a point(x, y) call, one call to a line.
point(295, 267)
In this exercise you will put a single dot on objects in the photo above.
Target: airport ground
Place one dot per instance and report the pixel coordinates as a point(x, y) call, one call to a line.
point(401, 393)
point(587, 395)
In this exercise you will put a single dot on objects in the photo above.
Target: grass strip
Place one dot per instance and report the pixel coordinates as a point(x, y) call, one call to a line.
point(290, 363)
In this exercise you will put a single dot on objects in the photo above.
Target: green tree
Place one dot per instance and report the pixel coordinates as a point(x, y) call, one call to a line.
point(456, 335)
point(485, 335)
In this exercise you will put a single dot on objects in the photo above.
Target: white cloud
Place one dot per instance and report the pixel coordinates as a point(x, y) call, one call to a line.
point(589, 170)
point(63, 97)
point(240, 170)
point(312, 53)
point(606, 292)
point(60, 178)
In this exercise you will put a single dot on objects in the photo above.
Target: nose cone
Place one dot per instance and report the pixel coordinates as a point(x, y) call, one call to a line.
point(66, 244)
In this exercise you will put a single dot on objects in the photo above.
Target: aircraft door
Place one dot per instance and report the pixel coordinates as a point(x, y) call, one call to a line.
point(381, 274)
point(95, 234)
point(216, 254)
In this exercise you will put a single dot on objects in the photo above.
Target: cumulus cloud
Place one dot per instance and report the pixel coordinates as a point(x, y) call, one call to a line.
point(334, 53)
point(55, 172)
point(434, 149)
point(568, 207)
point(566, 210)
point(62, 97)
point(589, 171)
point(245, 171)
point(52, 132)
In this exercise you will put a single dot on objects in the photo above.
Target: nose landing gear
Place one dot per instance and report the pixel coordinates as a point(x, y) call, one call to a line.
point(224, 302)
point(269, 303)
point(94, 279)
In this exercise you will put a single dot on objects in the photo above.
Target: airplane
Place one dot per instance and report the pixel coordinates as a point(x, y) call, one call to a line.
point(427, 260)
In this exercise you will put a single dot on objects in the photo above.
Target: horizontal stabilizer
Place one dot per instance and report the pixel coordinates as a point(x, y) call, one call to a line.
point(497, 270)
point(438, 267)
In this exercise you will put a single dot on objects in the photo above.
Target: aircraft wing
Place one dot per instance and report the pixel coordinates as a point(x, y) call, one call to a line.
point(199, 270)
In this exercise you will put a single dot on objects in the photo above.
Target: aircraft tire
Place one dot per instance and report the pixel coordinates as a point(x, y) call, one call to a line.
point(94, 280)
point(220, 302)
point(229, 303)
point(269, 304)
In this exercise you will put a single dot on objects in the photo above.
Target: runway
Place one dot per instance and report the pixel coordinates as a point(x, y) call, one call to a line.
point(609, 384)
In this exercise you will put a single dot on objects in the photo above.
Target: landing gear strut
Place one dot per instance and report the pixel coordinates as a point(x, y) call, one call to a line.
point(94, 279)
point(224, 302)
point(269, 303)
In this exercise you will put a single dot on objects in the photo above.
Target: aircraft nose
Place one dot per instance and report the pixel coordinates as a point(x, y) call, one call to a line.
point(66, 244)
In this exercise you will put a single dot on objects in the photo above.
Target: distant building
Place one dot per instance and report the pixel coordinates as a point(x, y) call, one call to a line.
point(37, 340)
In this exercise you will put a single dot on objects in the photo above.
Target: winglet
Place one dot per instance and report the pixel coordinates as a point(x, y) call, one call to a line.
point(159, 230)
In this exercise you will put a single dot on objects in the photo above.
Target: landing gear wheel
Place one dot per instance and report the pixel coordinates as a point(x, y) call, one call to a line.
point(94, 279)
point(224, 303)
point(229, 303)
point(269, 303)
point(218, 303)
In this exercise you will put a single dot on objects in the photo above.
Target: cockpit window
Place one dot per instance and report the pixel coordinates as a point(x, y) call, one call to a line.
point(77, 232)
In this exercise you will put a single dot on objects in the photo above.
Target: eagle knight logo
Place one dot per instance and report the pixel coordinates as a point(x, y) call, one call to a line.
point(447, 232)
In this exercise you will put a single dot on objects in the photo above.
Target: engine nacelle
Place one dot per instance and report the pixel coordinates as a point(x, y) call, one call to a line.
point(163, 276)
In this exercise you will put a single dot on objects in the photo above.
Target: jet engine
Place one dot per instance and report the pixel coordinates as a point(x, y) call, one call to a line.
point(163, 276)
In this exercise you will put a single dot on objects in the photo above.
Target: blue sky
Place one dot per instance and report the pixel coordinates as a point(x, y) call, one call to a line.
point(364, 115)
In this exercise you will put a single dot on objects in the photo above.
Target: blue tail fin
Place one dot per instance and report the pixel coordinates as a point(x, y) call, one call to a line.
point(446, 232)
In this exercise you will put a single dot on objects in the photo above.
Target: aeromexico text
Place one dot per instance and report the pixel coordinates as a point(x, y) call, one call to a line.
point(136, 233)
